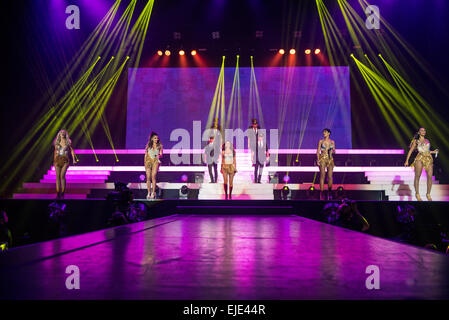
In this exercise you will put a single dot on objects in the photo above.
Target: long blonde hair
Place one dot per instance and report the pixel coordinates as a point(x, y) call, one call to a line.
point(57, 140)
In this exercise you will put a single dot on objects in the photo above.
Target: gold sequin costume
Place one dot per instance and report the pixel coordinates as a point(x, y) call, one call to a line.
point(423, 155)
point(62, 156)
point(228, 165)
point(324, 158)
point(152, 160)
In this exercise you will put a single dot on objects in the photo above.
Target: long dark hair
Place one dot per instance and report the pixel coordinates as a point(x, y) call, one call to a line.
point(232, 146)
point(150, 141)
point(416, 137)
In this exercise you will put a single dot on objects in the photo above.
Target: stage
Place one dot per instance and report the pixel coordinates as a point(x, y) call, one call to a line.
point(196, 256)
point(325, 122)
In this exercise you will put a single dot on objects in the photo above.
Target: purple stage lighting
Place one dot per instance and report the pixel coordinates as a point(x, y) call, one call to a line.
point(142, 177)
point(286, 178)
point(184, 178)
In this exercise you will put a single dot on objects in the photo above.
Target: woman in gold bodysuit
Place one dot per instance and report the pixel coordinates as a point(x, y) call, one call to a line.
point(324, 154)
point(423, 160)
point(63, 146)
point(153, 151)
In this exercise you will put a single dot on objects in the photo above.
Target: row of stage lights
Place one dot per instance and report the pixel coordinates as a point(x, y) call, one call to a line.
point(307, 51)
point(181, 53)
point(194, 53)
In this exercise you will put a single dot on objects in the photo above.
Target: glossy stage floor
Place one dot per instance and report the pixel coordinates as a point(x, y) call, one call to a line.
point(191, 256)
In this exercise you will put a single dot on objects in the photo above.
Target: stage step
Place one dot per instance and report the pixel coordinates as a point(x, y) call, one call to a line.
point(423, 197)
point(77, 176)
point(240, 191)
point(44, 190)
point(48, 196)
point(69, 185)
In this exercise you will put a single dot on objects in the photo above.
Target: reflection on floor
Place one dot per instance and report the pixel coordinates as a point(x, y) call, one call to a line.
point(224, 257)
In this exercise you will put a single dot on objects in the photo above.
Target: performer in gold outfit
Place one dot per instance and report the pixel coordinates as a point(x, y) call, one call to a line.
point(324, 154)
point(153, 151)
point(63, 146)
point(228, 167)
point(423, 160)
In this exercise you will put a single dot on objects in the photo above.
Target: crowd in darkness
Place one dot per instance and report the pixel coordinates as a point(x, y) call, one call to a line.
point(430, 236)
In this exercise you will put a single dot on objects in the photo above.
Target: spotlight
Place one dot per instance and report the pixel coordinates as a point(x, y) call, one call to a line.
point(308, 51)
point(183, 192)
point(193, 52)
point(340, 193)
point(317, 51)
point(286, 178)
point(311, 193)
point(292, 51)
point(184, 178)
point(159, 53)
point(142, 177)
point(281, 51)
point(182, 52)
point(286, 194)
point(167, 52)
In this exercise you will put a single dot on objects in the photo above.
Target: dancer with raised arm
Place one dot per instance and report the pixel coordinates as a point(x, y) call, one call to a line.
point(324, 154)
point(153, 151)
point(423, 160)
point(228, 167)
point(63, 145)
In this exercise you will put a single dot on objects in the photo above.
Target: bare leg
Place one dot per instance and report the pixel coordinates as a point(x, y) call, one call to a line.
point(322, 177)
point(429, 172)
point(63, 172)
point(418, 170)
point(231, 179)
point(58, 180)
point(148, 174)
point(153, 178)
point(330, 180)
point(225, 178)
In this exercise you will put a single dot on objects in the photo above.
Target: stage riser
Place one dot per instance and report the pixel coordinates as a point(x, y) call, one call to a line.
point(295, 177)
point(315, 195)
point(283, 159)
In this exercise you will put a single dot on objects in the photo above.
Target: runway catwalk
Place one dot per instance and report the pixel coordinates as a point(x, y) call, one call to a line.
point(224, 257)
